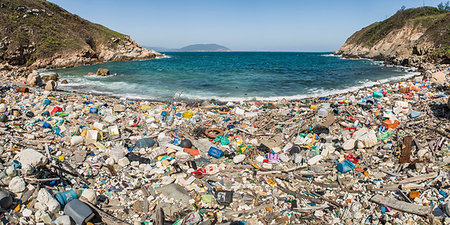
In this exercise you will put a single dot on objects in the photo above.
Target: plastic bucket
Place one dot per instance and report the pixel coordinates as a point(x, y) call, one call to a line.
point(65, 197)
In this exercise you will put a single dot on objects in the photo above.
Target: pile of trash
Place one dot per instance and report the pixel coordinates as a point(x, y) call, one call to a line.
point(375, 156)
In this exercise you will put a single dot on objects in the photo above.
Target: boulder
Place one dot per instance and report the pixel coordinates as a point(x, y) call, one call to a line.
point(53, 76)
point(17, 185)
point(34, 80)
point(102, 72)
point(51, 85)
point(3, 108)
point(47, 199)
point(31, 157)
point(438, 78)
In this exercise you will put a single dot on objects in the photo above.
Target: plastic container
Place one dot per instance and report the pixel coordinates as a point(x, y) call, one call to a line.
point(345, 166)
point(323, 112)
point(46, 125)
point(216, 153)
point(79, 211)
point(93, 110)
point(187, 114)
point(65, 197)
point(377, 94)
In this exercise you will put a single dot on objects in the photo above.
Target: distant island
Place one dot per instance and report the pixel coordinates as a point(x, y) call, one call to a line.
point(194, 48)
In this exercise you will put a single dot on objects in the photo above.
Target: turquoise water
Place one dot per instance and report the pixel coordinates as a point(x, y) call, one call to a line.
point(231, 76)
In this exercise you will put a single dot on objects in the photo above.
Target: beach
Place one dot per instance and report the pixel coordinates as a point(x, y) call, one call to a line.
point(329, 159)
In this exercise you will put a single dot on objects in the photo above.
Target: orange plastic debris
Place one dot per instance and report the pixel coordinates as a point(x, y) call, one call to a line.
point(390, 125)
point(414, 194)
point(191, 151)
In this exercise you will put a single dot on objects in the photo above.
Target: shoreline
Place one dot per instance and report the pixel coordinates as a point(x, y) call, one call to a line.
point(408, 70)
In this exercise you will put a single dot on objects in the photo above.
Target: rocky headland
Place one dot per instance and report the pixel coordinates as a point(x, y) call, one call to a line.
point(38, 34)
point(412, 37)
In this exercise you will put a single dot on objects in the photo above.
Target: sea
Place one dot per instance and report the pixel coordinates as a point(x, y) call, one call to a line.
point(231, 76)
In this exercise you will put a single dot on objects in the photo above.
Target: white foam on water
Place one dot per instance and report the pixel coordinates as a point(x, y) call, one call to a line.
point(97, 85)
point(313, 92)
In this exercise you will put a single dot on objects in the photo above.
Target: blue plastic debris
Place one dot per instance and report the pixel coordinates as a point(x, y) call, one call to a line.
point(345, 166)
point(414, 114)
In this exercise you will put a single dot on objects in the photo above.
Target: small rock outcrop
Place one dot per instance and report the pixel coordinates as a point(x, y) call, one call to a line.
point(102, 72)
point(34, 80)
point(51, 85)
point(53, 76)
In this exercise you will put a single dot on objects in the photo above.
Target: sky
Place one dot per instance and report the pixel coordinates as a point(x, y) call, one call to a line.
point(246, 25)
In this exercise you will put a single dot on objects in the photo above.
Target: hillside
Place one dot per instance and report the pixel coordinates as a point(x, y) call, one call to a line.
point(410, 37)
point(204, 47)
point(40, 34)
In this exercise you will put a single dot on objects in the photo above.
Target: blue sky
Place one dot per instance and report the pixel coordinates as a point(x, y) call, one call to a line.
point(285, 25)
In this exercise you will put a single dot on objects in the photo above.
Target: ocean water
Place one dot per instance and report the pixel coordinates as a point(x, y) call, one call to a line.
point(231, 76)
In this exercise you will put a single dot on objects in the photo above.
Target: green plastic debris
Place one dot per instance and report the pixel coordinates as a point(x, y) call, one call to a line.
point(207, 198)
point(223, 140)
point(384, 135)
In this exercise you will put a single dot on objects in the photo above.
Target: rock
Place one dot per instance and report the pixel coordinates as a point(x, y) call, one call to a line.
point(17, 185)
point(123, 162)
point(63, 220)
point(91, 74)
point(438, 78)
point(42, 216)
point(27, 213)
point(47, 199)
point(239, 158)
point(40, 206)
point(51, 85)
point(89, 195)
point(349, 144)
point(34, 80)
point(367, 140)
point(3, 108)
point(175, 191)
point(146, 142)
point(102, 72)
point(53, 76)
point(64, 82)
point(31, 157)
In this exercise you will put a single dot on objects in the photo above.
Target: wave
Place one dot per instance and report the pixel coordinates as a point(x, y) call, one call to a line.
point(316, 92)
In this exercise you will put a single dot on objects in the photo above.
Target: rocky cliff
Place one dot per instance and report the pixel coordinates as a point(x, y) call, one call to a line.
point(410, 37)
point(40, 34)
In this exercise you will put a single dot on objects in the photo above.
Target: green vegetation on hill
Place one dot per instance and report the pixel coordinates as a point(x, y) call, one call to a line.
point(34, 29)
point(425, 16)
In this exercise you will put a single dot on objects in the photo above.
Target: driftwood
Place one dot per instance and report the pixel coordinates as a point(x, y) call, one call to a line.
point(402, 206)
